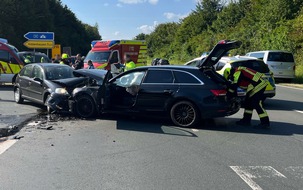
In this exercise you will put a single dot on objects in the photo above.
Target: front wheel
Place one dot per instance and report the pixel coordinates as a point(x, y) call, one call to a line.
point(18, 96)
point(184, 114)
point(85, 106)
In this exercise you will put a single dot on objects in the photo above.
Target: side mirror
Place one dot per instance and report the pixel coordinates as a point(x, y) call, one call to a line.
point(38, 80)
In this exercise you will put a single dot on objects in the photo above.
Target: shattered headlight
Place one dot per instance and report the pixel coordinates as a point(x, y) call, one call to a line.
point(62, 91)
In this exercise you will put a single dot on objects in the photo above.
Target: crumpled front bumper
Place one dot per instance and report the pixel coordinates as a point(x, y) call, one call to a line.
point(59, 102)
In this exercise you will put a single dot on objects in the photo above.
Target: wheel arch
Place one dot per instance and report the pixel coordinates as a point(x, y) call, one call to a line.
point(171, 103)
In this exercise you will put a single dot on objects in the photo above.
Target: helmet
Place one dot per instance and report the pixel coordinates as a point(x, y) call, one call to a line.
point(227, 73)
point(64, 56)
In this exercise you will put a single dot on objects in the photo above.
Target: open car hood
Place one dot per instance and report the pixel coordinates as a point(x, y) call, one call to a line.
point(71, 82)
point(218, 52)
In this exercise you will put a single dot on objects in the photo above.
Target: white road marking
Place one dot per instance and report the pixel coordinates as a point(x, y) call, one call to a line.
point(248, 173)
point(296, 171)
point(298, 111)
point(195, 130)
point(289, 87)
point(6, 145)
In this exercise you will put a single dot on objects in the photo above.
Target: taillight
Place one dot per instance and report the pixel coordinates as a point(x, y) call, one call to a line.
point(219, 92)
point(222, 42)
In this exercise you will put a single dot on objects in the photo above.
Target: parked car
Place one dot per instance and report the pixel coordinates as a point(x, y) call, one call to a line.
point(36, 82)
point(33, 57)
point(252, 63)
point(185, 94)
point(281, 63)
point(195, 62)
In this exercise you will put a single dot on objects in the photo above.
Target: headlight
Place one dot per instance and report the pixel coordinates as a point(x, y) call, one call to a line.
point(61, 91)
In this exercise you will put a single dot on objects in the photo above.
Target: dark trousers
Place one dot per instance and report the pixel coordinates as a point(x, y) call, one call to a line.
point(255, 102)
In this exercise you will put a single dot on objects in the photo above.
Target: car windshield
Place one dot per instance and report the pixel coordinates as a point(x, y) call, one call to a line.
point(98, 57)
point(280, 57)
point(38, 58)
point(61, 72)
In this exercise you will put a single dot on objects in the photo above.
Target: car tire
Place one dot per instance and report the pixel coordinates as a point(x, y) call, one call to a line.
point(85, 106)
point(184, 114)
point(18, 96)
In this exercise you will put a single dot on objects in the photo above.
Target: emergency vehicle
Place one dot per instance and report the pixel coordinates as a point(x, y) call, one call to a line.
point(10, 63)
point(105, 53)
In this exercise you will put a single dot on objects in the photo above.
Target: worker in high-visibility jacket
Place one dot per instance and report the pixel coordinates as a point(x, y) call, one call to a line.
point(65, 59)
point(254, 84)
point(129, 64)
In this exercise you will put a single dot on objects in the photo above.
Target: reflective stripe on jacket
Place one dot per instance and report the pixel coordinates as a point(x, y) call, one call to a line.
point(249, 79)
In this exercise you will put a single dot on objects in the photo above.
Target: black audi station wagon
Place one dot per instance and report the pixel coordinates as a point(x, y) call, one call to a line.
point(185, 94)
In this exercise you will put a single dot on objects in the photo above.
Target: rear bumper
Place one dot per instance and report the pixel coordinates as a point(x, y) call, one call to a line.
point(222, 109)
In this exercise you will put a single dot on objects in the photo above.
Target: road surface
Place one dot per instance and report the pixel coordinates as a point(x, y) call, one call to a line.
point(121, 153)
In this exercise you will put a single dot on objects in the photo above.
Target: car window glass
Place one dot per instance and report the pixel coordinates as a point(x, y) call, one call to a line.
point(26, 71)
point(185, 78)
point(4, 56)
point(159, 76)
point(131, 79)
point(37, 72)
point(114, 57)
point(58, 72)
point(219, 65)
point(257, 55)
point(280, 56)
point(256, 65)
point(193, 63)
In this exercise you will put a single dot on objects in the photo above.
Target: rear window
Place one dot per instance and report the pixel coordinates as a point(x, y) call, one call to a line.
point(185, 78)
point(280, 57)
point(159, 76)
point(257, 55)
point(256, 65)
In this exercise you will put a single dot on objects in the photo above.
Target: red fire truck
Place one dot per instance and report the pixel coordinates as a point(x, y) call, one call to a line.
point(104, 53)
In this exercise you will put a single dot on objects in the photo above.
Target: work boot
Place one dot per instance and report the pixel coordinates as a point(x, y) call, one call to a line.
point(243, 122)
point(262, 126)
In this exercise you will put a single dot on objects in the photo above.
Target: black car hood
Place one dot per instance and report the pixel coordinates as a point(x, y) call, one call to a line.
point(97, 74)
point(71, 82)
point(218, 52)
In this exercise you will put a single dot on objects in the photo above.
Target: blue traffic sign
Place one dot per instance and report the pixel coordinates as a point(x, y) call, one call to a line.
point(40, 36)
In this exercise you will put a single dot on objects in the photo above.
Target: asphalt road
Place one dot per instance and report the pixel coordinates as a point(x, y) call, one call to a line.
point(121, 153)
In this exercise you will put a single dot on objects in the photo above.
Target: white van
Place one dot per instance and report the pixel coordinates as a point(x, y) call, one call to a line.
point(281, 63)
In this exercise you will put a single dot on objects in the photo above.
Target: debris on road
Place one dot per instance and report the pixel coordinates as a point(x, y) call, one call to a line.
point(17, 137)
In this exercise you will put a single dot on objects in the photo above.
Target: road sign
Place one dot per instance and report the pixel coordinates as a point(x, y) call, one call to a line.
point(49, 36)
point(33, 44)
point(56, 50)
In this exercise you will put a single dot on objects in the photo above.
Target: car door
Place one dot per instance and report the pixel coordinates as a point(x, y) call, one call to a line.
point(156, 89)
point(36, 84)
point(122, 91)
point(24, 80)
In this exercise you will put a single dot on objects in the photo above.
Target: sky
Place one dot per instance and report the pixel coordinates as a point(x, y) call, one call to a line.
point(124, 19)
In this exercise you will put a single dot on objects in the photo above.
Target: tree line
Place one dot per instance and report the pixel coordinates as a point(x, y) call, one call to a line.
point(19, 17)
point(259, 24)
